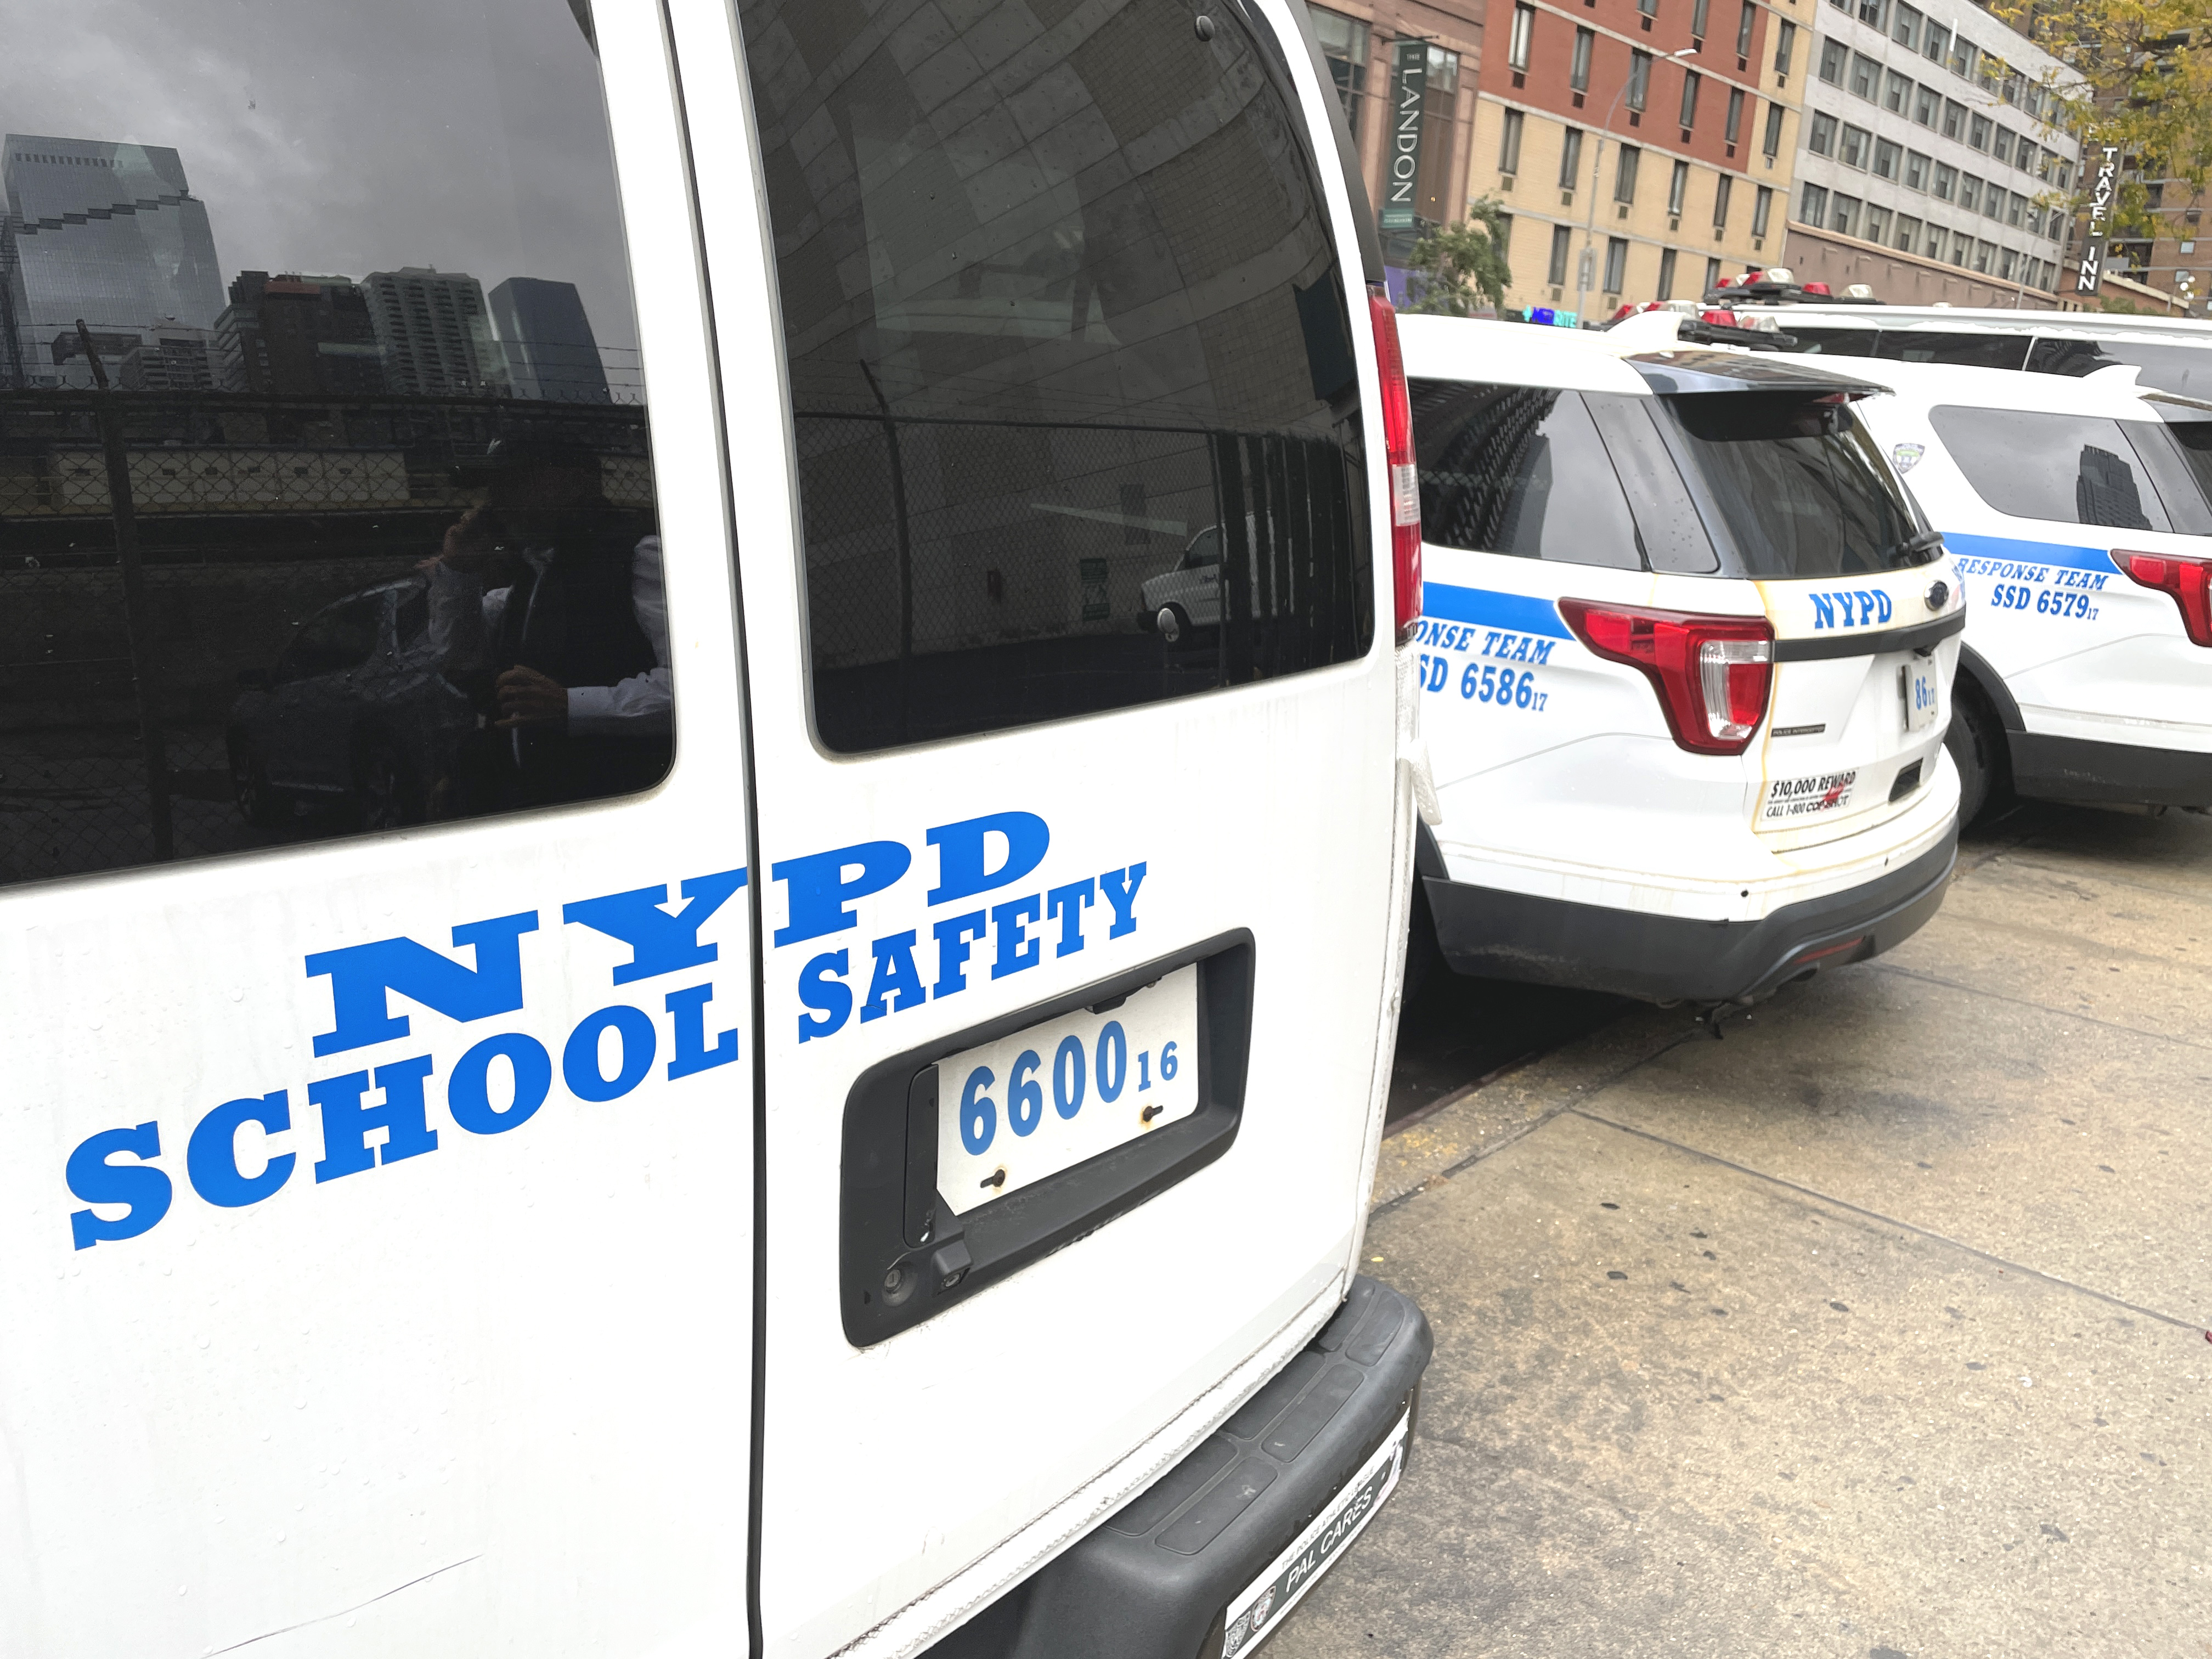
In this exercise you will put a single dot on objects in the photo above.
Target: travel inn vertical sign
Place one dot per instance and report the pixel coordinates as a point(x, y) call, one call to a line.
point(1409, 85)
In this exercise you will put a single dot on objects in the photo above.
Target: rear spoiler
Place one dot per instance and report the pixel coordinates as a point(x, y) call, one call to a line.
point(1704, 370)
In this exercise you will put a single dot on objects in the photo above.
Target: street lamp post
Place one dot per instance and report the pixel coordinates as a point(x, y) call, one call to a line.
point(1585, 265)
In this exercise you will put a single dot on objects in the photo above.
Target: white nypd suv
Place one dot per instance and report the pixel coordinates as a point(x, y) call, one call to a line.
point(1689, 655)
point(2077, 514)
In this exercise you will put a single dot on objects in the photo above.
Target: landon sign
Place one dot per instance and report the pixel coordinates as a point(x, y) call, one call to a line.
point(1408, 87)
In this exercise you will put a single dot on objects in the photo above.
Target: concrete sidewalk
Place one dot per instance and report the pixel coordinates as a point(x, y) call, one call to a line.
point(1876, 1328)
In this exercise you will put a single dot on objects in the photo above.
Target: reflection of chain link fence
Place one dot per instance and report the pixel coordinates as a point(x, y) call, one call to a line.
point(963, 575)
point(158, 549)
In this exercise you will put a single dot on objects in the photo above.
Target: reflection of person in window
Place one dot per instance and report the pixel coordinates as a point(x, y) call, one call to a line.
point(549, 593)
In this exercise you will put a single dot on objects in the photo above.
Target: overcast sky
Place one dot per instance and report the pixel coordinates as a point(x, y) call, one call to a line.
point(336, 137)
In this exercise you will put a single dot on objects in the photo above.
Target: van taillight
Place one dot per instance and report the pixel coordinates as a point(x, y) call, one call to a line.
point(1712, 673)
point(2189, 582)
point(1398, 447)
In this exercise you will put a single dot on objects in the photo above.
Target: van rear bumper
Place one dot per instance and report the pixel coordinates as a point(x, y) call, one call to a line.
point(1659, 958)
point(2080, 769)
point(1157, 1581)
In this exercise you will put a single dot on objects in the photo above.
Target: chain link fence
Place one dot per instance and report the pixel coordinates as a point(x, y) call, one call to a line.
point(159, 552)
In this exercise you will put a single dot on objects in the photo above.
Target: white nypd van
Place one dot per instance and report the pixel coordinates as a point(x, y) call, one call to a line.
point(1688, 661)
point(631, 1029)
point(2077, 513)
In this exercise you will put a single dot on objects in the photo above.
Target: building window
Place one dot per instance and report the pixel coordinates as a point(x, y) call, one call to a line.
point(1821, 139)
point(1508, 147)
point(1562, 245)
point(1698, 11)
point(1649, 8)
point(1746, 20)
point(2009, 265)
point(1689, 79)
point(1852, 148)
point(1570, 157)
point(1908, 234)
point(1978, 132)
point(1523, 37)
point(1578, 68)
point(1616, 265)
point(1916, 170)
point(1678, 189)
point(1624, 174)
point(2001, 145)
point(1639, 78)
point(2065, 174)
point(1927, 106)
point(1843, 214)
point(1981, 253)
point(1344, 44)
point(1835, 60)
point(1946, 187)
point(1665, 291)
point(1962, 248)
point(1896, 92)
point(1970, 192)
point(1888, 158)
point(2027, 158)
point(1720, 194)
point(2015, 210)
point(1712, 274)
point(1904, 27)
point(1762, 211)
point(1963, 56)
point(1735, 127)
point(1872, 13)
point(1866, 77)
point(1934, 43)
point(1955, 118)
point(1812, 205)
point(1505, 232)
point(1772, 142)
point(1932, 242)
point(1877, 223)
point(1785, 38)
point(1993, 200)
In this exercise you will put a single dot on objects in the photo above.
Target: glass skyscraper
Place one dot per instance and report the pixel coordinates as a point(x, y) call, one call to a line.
point(547, 338)
point(106, 231)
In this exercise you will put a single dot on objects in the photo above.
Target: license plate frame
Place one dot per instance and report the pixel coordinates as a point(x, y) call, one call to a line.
point(1267, 1600)
point(1920, 688)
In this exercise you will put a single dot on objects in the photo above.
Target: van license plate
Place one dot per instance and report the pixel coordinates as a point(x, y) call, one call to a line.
point(1268, 1598)
point(1917, 684)
point(1012, 1112)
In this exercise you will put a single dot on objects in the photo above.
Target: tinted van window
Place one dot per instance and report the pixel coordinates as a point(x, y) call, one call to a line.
point(1834, 341)
point(2069, 469)
point(1518, 470)
point(1793, 484)
point(1907, 345)
point(2179, 368)
point(1058, 296)
point(324, 504)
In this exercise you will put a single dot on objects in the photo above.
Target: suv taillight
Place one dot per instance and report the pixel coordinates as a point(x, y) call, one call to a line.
point(1712, 673)
point(1398, 447)
point(2189, 582)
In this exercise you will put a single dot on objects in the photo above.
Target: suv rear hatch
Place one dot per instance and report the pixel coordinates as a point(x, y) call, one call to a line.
point(1796, 497)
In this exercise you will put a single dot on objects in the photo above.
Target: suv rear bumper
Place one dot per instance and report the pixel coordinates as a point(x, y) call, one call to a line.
point(1659, 958)
point(2080, 769)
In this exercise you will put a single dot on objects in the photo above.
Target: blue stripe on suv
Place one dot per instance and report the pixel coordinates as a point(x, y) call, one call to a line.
point(2012, 552)
point(1518, 613)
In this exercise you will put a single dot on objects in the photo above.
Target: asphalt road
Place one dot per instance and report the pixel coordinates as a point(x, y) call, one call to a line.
point(1876, 1328)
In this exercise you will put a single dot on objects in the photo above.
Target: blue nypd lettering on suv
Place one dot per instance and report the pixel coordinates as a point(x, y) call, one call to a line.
point(500, 1081)
point(1851, 607)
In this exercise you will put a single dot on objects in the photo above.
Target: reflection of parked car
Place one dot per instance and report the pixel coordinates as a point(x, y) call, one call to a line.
point(353, 713)
point(1189, 595)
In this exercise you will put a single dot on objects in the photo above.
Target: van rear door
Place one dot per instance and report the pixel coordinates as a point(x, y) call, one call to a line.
point(1073, 944)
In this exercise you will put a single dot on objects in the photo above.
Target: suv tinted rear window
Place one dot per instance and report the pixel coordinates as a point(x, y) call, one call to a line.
point(1794, 485)
point(1058, 296)
point(1518, 470)
point(2067, 468)
point(1906, 345)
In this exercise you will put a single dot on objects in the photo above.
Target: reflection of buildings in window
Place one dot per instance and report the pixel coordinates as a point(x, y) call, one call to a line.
point(435, 332)
point(107, 232)
point(298, 337)
point(547, 342)
point(1344, 45)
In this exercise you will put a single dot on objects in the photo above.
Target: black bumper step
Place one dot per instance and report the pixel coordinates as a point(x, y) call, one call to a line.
point(1155, 1582)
